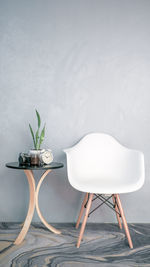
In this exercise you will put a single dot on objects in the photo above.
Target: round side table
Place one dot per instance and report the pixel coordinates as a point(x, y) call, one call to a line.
point(34, 192)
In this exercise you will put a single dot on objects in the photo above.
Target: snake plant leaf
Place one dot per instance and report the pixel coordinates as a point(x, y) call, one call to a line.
point(37, 138)
point(32, 135)
point(38, 119)
point(41, 137)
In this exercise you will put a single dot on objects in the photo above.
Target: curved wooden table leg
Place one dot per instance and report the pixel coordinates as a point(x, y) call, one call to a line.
point(50, 227)
point(31, 208)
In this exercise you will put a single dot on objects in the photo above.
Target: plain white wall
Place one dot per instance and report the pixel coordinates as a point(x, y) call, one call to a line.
point(85, 66)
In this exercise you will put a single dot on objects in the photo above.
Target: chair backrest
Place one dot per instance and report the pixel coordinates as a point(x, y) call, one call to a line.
point(100, 155)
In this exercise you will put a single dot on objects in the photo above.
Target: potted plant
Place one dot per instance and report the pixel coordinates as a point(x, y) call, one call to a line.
point(38, 138)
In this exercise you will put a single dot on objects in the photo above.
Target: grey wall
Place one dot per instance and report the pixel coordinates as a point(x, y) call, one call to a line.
point(85, 66)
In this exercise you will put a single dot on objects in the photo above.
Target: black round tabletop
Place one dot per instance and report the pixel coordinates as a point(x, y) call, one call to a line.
point(53, 165)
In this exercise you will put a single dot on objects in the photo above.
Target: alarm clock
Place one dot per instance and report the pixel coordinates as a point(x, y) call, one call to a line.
point(46, 156)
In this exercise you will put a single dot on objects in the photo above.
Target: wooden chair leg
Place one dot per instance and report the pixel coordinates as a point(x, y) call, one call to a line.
point(117, 210)
point(81, 210)
point(85, 220)
point(124, 221)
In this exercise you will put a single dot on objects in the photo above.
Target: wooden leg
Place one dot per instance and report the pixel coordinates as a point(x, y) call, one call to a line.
point(81, 210)
point(31, 208)
point(117, 210)
point(124, 221)
point(85, 220)
point(50, 227)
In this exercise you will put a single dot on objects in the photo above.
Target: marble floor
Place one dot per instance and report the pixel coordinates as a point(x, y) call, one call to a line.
point(103, 245)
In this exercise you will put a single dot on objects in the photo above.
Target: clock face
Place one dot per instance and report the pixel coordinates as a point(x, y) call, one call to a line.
point(47, 157)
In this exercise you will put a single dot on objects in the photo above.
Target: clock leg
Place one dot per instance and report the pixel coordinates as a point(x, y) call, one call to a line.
point(31, 208)
point(50, 227)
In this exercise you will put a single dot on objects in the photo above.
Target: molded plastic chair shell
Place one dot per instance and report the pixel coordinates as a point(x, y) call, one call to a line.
point(98, 163)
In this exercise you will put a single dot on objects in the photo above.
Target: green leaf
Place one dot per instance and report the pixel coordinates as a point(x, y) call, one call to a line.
point(37, 138)
point(32, 136)
point(41, 137)
point(38, 119)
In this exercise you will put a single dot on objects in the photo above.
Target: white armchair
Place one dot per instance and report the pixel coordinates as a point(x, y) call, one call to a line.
point(99, 165)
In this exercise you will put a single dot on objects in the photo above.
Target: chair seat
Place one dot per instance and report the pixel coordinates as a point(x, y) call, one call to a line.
point(105, 186)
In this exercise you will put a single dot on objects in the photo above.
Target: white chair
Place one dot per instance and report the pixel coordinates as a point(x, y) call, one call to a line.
point(103, 168)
